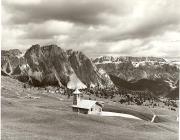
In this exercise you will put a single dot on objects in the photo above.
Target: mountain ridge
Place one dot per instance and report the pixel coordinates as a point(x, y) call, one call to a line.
point(46, 65)
point(52, 65)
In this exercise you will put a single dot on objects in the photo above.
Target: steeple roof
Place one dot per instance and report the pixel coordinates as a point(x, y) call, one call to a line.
point(76, 91)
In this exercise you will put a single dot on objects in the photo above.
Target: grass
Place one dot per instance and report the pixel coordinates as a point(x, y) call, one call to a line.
point(49, 118)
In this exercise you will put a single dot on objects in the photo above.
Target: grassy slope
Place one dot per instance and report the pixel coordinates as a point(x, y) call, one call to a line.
point(50, 117)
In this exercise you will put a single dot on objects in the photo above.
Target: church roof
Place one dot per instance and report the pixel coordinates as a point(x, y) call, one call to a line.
point(86, 104)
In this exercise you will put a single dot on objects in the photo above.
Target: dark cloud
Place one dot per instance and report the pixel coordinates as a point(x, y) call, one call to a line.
point(85, 12)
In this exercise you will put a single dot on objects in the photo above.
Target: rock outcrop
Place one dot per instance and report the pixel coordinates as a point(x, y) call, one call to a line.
point(51, 65)
point(87, 71)
point(10, 60)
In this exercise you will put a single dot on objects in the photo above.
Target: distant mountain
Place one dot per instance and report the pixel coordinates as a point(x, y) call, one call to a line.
point(173, 60)
point(10, 60)
point(141, 73)
point(51, 65)
point(136, 68)
point(120, 59)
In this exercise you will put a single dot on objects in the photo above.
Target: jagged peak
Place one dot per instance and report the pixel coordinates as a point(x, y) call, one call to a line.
point(11, 52)
point(128, 59)
point(50, 46)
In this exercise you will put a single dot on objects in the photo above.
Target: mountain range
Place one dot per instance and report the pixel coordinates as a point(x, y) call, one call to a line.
point(51, 65)
point(154, 74)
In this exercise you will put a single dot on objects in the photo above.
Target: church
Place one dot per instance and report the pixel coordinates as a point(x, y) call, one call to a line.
point(85, 106)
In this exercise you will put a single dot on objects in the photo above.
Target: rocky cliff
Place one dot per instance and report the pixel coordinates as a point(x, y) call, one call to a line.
point(51, 65)
point(87, 71)
point(10, 62)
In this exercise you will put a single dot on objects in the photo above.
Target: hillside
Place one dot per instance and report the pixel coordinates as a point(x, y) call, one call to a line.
point(157, 87)
point(32, 112)
point(174, 94)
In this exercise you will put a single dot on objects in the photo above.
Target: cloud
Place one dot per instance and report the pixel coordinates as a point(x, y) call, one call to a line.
point(24, 2)
point(83, 11)
point(148, 19)
point(116, 27)
point(47, 29)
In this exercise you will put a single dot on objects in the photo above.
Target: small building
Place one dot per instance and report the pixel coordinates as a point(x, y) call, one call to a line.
point(85, 106)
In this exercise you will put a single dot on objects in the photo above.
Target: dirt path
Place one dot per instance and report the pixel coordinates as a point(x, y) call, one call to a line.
point(104, 113)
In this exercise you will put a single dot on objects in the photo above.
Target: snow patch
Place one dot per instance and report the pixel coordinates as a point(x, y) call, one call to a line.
point(171, 84)
point(21, 55)
point(24, 67)
point(135, 64)
point(92, 85)
point(101, 71)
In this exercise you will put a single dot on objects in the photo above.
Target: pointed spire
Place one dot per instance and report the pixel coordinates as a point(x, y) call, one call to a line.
point(76, 91)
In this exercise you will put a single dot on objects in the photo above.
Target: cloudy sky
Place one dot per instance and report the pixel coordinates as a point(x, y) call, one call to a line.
point(96, 27)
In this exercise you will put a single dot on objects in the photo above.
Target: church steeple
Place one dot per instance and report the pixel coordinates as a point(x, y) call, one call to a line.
point(76, 97)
